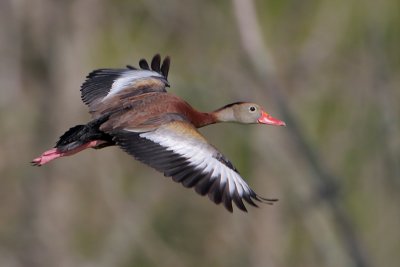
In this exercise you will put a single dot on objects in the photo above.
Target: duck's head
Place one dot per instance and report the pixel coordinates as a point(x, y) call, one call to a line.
point(245, 112)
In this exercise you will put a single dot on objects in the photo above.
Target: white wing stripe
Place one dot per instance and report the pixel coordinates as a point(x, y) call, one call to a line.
point(200, 157)
point(231, 181)
point(129, 78)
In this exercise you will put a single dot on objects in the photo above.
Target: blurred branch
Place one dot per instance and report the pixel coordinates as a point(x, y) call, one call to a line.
point(264, 67)
point(328, 30)
point(380, 76)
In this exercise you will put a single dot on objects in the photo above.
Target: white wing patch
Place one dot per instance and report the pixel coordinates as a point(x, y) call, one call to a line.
point(129, 78)
point(201, 157)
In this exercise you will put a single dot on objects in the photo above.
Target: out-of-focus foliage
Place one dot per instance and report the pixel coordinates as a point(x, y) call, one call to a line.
point(339, 64)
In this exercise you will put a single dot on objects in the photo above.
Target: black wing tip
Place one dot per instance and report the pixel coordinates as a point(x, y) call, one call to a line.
point(131, 67)
point(165, 66)
point(155, 65)
point(250, 200)
point(143, 64)
point(218, 196)
point(269, 201)
point(229, 208)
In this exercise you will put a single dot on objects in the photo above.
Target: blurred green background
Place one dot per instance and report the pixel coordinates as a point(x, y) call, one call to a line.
point(331, 71)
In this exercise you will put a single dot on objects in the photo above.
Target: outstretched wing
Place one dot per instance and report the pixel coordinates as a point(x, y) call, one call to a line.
point(179, 151)
point(110, 86)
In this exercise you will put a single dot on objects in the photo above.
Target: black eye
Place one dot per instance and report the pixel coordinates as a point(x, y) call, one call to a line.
point(252, 109)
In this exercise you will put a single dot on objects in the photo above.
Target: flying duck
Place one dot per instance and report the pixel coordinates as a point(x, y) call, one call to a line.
point(131, 109)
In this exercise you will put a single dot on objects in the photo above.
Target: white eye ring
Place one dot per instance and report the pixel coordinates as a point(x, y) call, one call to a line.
point(252, 109)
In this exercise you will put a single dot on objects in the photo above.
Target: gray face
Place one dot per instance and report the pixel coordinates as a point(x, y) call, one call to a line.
point(247, 112)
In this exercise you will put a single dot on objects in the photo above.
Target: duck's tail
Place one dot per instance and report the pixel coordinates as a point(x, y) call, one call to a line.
point(75, 140)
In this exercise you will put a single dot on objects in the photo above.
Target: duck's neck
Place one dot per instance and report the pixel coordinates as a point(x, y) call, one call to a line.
point(224, 115)
point(202, 119)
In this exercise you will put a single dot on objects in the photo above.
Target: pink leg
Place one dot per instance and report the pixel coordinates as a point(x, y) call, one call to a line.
point(54, 153)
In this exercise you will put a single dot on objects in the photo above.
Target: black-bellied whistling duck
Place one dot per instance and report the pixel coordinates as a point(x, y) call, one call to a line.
point(132, 109)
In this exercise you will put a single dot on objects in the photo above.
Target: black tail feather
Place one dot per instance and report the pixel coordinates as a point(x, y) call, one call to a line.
point(82, 134)
point(72, 135)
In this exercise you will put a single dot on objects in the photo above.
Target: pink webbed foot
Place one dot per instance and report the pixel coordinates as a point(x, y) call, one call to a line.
point(55, 153)
point(46, 157)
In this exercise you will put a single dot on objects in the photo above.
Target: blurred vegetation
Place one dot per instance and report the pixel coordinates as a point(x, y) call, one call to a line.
point(337, 65)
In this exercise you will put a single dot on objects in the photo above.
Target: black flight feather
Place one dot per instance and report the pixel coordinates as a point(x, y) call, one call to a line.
point(155, 63)
point(165, 67)
point(143, 64)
